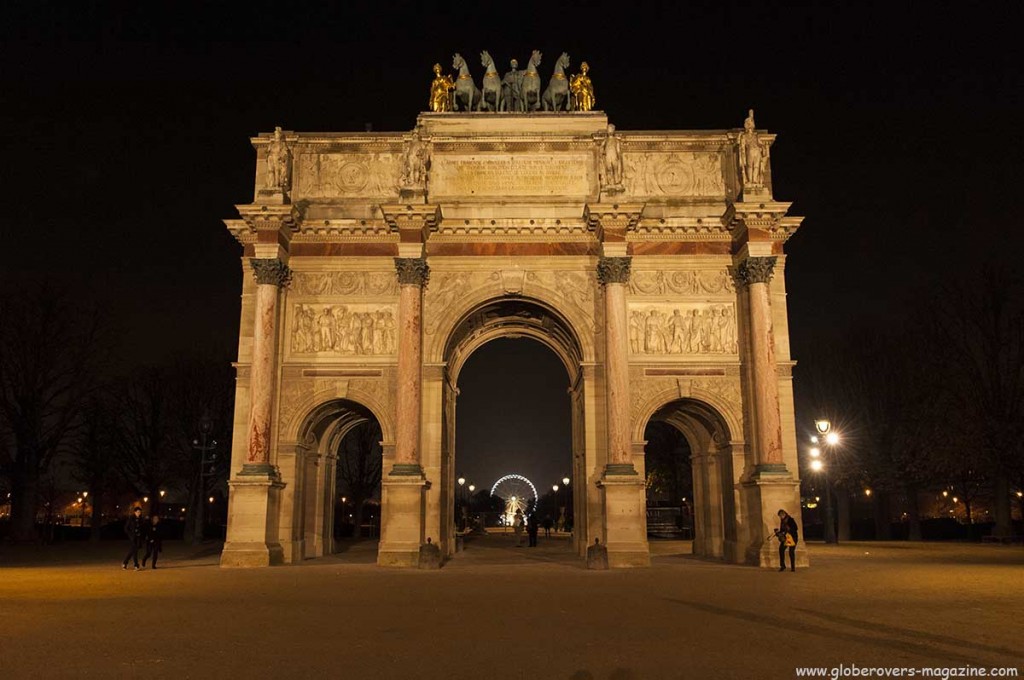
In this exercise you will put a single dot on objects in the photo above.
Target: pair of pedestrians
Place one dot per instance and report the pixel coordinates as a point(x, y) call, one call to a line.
point(142, 534)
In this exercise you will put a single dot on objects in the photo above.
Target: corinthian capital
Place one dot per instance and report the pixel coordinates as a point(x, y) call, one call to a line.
point(613, 269)
point(756, 270)
point(412, 270)
point(270, 271)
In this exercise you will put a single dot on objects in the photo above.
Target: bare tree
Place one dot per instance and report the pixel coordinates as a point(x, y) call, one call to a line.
point(148, 457)
point(978, 325)
point(48, 352)
point(93, 458)
point(359, 466)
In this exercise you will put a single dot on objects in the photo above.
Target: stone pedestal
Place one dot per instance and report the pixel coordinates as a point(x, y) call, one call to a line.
point(625, 526)
point(401, 527)
point(763, 496)
point(252, 523)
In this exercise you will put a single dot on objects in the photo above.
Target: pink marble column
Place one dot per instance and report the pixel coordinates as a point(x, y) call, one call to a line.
point(613, 273)
point(412, 275)
point(270, 274)
point(756, 273)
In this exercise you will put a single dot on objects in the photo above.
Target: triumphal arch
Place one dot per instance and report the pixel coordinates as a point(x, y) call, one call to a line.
point(375, 263)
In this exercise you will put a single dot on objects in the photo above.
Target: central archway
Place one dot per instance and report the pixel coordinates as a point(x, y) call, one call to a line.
point(510, 317)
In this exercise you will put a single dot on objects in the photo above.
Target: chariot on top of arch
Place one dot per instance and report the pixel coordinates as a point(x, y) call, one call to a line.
point(518, 91)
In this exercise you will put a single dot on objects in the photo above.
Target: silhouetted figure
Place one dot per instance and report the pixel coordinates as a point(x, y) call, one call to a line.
point(548, 523)
point(517, 525)
point(135, 531)
point(531, 529)
point(154, 540)
point(788, 535)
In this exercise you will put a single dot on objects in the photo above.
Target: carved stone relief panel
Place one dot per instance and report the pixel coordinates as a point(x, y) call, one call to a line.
point(511, 175)
point(335, 175)
point(445, 289)
point(344, 283)
point(354, 329)
point(682, 173)
point(576, 289)
point(682, 329)
point(689, 282)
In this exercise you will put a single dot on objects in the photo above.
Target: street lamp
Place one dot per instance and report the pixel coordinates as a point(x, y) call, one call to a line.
point(205, 447)
point(828, 437)
point(462, 502)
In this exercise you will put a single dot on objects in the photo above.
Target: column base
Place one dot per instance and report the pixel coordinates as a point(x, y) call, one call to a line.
point(625, 519)
point(252, 522)
point(402, 520)
point(762, 497)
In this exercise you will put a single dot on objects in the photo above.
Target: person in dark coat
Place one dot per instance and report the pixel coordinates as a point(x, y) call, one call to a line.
point(788, 536)
point(531, 529)
point(135, 531)
point(154, 540)
point(547, 525)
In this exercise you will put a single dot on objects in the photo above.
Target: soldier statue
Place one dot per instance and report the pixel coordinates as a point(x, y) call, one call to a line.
point(612, 161)
point(753, 153)
point(441, 91)
point(279, 162)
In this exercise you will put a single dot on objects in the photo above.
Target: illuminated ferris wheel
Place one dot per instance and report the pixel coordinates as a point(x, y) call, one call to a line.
point(518, 492)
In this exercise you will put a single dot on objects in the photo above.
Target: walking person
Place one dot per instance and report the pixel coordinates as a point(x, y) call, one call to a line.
point(531, 529)
point(134, 530)
point(154, 540)
point(788, 535)
point(518, 525)
point(547, 526)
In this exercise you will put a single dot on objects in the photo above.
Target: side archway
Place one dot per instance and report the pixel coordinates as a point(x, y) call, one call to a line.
point(709, 439)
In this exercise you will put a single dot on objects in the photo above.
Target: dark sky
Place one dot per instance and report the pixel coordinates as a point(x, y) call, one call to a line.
point(125, 131)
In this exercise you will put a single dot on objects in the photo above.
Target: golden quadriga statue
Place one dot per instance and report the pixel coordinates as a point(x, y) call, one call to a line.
point(440, 91)
point(582, 90)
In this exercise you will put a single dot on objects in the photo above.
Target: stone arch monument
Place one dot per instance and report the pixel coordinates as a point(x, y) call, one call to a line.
point(375, 263)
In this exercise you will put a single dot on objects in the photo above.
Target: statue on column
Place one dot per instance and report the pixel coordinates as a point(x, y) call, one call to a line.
point(414, 163)
point(582, 90)
point(441, 91)
point(279, 162)
point(753, 153)
point(611, 180)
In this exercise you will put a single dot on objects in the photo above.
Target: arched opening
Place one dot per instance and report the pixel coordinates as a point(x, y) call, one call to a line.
point(513, 364)
point(688, 433)
point(340, 481)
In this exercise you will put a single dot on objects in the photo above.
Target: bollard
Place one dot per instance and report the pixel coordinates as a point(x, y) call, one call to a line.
point(597, 556)
point(430, 556)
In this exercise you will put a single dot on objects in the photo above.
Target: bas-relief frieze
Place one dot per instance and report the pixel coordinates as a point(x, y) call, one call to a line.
point(366, 175)
point(693, 282)
point(682, 329)
point(344, 283)
point(353, 330)
point(649, 394)
point(689, 173)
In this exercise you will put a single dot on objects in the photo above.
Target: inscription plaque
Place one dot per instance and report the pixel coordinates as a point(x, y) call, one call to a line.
point(511, 175)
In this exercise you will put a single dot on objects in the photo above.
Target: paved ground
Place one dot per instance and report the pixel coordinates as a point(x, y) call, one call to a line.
point(498, 611)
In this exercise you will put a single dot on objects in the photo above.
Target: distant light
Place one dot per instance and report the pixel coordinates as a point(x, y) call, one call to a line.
point(955, 499)
point(814, 439)
point(555, 488)
point(79, 500)
point(832, 438)
point(684, 499)
point(211, 499)
point(945, 494)
point(85, 494)
point(822, 426)
point(343, 499)
point(817, 498)
point(183, 509)
point(1020, 494)
point(817, 465)
point(472, 488)
point(565, 480)
point(162, 493)
point(462, 481)
point(867, 492)
point(145, 499)
point(815, 452)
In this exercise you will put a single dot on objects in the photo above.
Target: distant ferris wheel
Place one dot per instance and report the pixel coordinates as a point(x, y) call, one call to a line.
point(518, 492)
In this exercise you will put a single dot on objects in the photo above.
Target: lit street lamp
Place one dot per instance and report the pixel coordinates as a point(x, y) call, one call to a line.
point(829, 438)
point(205, 447)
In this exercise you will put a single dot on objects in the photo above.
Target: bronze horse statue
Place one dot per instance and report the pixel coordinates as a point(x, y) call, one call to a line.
point(529, 94)
point(557, 94)
point(490, 99)
point(465, 89)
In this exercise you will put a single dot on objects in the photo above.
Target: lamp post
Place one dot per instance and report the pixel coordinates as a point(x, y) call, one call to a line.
point(825, 437)
point(205, 447)
point(462, 502)
point(565, 508)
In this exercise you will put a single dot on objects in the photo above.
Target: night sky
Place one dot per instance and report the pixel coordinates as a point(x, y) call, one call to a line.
point(125, 136)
